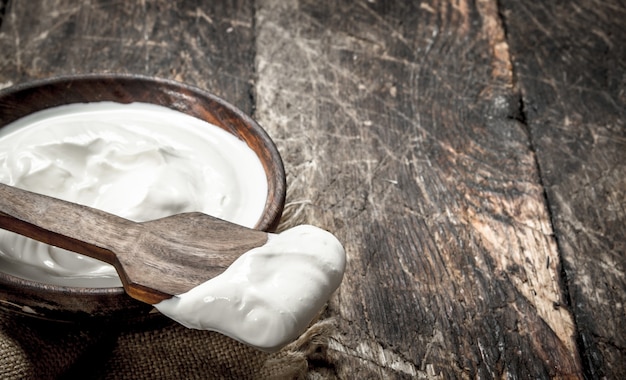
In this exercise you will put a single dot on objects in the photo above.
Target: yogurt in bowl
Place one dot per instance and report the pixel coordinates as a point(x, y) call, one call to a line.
point(139, 161)
point(134, 146)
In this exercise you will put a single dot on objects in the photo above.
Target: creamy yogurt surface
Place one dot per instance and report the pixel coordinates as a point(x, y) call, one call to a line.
point(138, 161)
point(270, 294)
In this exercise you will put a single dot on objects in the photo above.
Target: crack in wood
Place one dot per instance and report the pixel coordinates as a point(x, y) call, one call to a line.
point(563, 217)
point(521, 116)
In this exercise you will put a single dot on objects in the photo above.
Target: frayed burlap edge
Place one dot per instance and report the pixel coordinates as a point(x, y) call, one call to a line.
point(292, 362)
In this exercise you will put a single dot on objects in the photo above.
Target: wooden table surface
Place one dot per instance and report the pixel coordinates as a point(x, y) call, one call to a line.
point(470, 155)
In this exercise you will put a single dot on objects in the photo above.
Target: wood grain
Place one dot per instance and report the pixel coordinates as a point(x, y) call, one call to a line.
point(570, 62)
point(400, 126)
point(204, 44)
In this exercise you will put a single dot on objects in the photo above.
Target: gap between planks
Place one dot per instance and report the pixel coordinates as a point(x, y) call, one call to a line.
point(522, 118)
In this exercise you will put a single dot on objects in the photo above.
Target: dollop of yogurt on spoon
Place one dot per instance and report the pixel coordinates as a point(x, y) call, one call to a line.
point(270, 294)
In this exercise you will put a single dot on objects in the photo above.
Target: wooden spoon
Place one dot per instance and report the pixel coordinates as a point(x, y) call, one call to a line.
point(155, 260)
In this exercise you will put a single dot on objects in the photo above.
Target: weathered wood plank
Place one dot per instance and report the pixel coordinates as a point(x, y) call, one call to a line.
point(570, 61)
point(190, 41)
point(400, 127)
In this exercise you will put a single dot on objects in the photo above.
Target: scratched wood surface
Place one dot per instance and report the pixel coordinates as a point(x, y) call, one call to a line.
point(401, 127)
point(458, 149)
point(573, 87)
point(190, 41)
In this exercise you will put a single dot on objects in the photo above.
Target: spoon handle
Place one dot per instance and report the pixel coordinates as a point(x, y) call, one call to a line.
point(155, 260)
point(63, 224)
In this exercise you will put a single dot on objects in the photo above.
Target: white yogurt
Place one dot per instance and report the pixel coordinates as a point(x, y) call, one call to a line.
point(270, 294)
point(138, 161)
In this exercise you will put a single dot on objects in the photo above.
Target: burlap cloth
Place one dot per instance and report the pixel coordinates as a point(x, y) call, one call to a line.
point(33, 349)
point(155, 349)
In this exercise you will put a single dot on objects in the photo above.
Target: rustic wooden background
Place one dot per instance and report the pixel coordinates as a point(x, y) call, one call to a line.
point(470, 155)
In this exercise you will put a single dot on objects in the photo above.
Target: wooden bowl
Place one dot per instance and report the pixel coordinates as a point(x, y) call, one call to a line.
point(61, 303)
